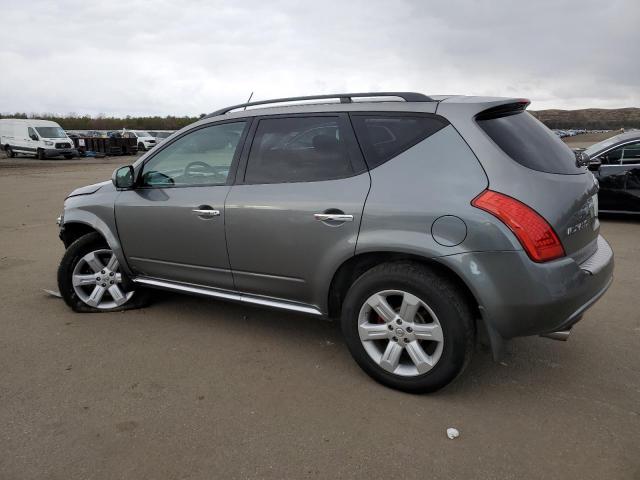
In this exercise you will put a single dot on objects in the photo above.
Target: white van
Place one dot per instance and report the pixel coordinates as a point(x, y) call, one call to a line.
point(40, 138)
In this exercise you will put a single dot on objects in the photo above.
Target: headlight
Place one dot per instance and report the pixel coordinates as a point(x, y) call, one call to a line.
point(48, 143)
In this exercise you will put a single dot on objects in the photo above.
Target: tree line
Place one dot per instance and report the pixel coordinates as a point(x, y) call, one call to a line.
point(86, 122)
point(590, 119)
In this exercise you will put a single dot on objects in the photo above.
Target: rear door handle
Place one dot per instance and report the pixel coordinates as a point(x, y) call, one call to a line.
point(335, 217)
point(206, 212)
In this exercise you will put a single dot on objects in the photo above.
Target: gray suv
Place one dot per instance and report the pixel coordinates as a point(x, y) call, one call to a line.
point(423, 223)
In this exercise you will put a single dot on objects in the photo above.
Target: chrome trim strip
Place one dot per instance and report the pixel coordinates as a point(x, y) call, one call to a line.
point(238, 297)
point(152, 282)
point(283, 305)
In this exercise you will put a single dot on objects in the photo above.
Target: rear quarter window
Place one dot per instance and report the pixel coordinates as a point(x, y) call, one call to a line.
point(384, 136)
point(530, 143)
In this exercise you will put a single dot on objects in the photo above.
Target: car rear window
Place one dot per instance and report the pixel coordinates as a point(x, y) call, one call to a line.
point(383, 137)
point(530, 143)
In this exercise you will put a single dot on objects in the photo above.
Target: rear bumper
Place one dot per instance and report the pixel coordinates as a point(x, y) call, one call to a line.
point(519, 297)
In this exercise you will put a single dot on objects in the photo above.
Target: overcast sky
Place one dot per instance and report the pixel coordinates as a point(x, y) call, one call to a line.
point(188, 57)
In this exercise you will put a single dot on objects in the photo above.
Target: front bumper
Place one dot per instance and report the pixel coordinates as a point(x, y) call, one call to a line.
point(56, 152)
point(518, 297)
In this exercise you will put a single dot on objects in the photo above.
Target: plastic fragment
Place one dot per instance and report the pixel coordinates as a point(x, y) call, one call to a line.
point(453, 433)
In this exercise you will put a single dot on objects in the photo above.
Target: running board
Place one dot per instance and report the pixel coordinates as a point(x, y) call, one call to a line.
point(226, 295)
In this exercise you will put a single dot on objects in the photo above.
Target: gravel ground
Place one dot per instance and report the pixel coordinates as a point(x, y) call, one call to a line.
point(193, 388)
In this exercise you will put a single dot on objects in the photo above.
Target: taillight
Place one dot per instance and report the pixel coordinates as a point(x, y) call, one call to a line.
point(534, 233)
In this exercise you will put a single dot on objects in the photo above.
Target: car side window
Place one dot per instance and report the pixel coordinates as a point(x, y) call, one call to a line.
point(383, 137)
point(631, 153)
point(298, 149)
point(32, 133)
point(612, 157)
point(202, 157)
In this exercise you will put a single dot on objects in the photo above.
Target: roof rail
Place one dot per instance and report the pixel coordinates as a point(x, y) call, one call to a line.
point(344, 98)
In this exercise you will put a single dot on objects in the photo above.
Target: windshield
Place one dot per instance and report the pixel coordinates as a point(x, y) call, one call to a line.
point(598, 147)
point(140, 133)
point(51, 132)
point(163, 134)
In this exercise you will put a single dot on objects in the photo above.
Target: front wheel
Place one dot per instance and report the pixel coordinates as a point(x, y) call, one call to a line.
point(40, 154)
point(68, 157)
point(408, 327)
point(90, 280)
point(141, 147)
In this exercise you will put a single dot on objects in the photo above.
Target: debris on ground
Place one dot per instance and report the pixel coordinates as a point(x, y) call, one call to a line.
point(53, 293)
point(453, 433)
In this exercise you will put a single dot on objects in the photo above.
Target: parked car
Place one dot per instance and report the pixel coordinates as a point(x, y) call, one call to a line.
point(145, 139)
point(161, 136)
point(616, 164)
point(40, 138)
point(423, 225)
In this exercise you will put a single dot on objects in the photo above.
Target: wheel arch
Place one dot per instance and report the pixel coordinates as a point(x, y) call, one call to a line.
point(80, 222)
point(72, 231)
point(355, 266)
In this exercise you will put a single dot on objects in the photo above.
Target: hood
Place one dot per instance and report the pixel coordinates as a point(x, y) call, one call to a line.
point(89, 189)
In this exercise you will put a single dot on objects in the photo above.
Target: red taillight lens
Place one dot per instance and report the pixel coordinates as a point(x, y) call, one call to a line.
point(534, 233)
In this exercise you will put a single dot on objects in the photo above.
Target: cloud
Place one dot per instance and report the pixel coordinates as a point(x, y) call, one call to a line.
point(189, 57)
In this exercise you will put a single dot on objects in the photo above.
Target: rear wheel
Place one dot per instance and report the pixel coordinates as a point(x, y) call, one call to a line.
point(90, 279)
point(9, 152)
point(408, 327)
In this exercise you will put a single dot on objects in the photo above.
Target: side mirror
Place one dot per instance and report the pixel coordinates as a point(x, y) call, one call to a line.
point(122, 178)
point(594, 164)
point(34, 137)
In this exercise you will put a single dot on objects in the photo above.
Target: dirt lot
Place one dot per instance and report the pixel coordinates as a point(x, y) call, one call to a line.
point(198, 389)
point(587, 139)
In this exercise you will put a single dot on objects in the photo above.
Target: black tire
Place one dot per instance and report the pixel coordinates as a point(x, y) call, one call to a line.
point(40, 154)
point(441, 295)
point(68, 157)
point(9, 152)
point(141, 147)
point(73, 254)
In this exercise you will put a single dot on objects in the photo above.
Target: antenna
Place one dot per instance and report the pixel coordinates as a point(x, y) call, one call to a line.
point(245, 107)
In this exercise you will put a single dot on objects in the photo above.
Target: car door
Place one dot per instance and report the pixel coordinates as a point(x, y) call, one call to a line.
point(171, 225)
point(631, 163)
point(619, 178)
point(294, 213)
point(32, 141)
point(22, 143)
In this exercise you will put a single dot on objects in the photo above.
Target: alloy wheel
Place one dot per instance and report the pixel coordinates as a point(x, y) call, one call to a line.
point(97, 281)
point(400, 333)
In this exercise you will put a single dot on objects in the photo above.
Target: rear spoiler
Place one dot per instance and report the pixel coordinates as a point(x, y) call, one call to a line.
point(504, 110)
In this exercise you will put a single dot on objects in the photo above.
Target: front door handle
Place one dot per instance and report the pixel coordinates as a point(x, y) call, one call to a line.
point(206, 212)
point(334, 217)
